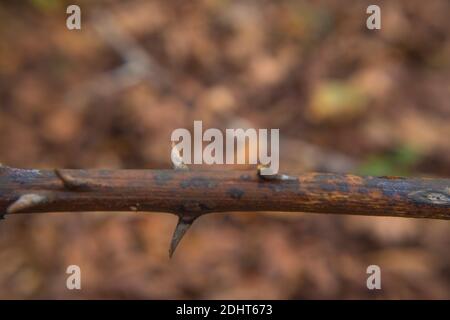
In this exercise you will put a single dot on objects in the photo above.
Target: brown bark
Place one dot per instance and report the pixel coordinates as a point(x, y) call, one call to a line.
point(193, 193)
point(190, 194)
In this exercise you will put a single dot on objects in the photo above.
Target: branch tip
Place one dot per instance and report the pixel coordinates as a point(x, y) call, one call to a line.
point(26, 201)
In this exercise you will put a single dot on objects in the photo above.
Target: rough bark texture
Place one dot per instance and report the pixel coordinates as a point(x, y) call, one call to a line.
point(190, 194)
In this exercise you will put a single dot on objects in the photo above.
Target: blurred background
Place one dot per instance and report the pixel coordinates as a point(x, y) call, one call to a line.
point(346, 99)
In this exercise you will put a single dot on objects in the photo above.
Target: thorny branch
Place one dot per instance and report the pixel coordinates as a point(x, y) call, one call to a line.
point(190, 194)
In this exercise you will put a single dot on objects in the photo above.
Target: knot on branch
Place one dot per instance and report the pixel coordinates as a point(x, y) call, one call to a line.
point(432, 197)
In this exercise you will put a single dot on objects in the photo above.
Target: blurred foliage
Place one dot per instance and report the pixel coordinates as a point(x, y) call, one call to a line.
point(47, 5)
point(337, 100)
point(400, 162)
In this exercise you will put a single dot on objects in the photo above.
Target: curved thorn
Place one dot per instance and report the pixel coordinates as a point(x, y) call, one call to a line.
point(262, 168)
point(70, 182)
point(274, 177)
point(25, 202)
point(180, 231)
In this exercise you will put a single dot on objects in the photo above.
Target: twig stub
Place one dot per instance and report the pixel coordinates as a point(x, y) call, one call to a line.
point(26, 202)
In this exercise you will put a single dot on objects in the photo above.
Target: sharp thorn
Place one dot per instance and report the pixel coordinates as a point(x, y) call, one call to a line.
point(70, 182)
point(274, 177)
point(25, 202)
point(180, 231)
point(262, 169)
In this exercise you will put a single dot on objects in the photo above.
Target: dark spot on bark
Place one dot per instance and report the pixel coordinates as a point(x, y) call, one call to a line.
point(363, 190)
point(332, 183)
point(198, 182)
point(280, 186)
point(389, 192)
point(162, 177)
point(343, 187)
point(102, 173)
point(236, 193)
point(389, 187)
point(329, 187)
point(21, 176)
point(190, 207)
point(194, 208)
point(206, 207)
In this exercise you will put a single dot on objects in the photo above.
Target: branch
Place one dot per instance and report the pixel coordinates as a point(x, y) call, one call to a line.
point(190, 194)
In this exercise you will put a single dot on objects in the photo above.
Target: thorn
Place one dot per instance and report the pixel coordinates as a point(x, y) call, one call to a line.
point(70, 182)
point(25, 202)
point(274, 177)
point(180, 230)
point(177, 160)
